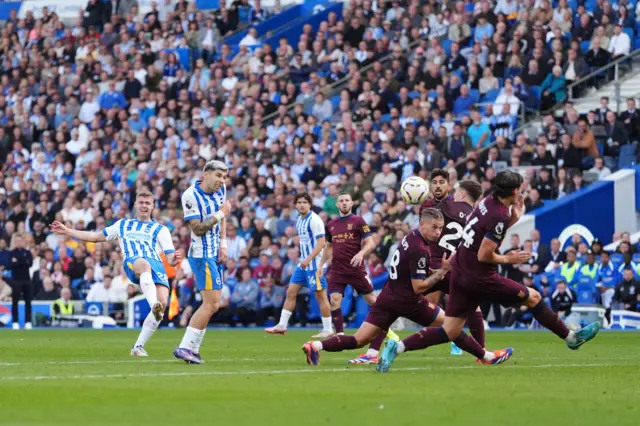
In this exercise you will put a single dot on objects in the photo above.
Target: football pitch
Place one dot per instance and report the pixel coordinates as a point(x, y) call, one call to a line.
point(86, 377)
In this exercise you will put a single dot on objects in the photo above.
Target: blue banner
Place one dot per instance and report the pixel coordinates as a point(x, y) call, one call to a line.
point(208, 4)
point(37, 308)
point(270, 24)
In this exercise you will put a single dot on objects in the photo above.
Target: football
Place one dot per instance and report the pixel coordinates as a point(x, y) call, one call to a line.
point(414, 190)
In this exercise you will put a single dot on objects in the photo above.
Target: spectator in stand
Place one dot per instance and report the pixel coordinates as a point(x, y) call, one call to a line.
point(562, 300)
point(620, 43)
point(245, 298)
point(627, 292)
point(584, 139)
point(553, 89)
point(607, 280)
point(600, 169)
point(48, 291)
point(479, 132)
point(631, 120)
point(616, 134)
point(533, 200)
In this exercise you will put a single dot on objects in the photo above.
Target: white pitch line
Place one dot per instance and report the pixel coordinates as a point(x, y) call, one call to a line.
point(215, 360)
point(279, 372)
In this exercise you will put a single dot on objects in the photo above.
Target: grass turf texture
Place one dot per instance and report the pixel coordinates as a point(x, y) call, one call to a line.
point(83, 377)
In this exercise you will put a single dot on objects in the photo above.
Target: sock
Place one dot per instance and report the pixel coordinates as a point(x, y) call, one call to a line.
point(428, 336)
point(196, 348)
point(339, 343)
point(488, 356)
point(376, 344)
point(148, 288)
point(338, 320)
point(284, 318)
point(149, 326)
point(571, 337)
point(401, 347)
point(468, 344)
point(190, 338)
point(476, 327)
point(550, 320)
point(326, 324)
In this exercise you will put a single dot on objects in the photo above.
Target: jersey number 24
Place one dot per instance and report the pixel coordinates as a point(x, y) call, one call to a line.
point(451, 241)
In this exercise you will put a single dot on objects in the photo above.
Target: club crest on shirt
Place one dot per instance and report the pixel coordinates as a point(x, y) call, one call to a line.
point(349, 226)
point(499, 228)
point(521, 294)
point(422, 263)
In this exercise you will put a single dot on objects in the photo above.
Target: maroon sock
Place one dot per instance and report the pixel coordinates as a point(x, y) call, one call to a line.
point(428, 336)
point(550, 320)
point(476, 327)
point(376, 344)
point(338, 320)
point(469, 345)
point(339, 343)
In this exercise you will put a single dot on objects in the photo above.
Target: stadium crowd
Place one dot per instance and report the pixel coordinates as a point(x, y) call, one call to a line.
point(92, 111)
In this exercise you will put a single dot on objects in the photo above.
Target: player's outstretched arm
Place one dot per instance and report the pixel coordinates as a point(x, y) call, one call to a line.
point(327, 255)
point(487, 254)
point(367, 248)
point(202, 227)
point(89, 236)
point(320, 243)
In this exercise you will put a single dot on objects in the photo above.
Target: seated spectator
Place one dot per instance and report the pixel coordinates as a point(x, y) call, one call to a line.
point(631, 120)
point(464, 102)
point(626, 293)
point(245, 298)
point(63, 305)
point(620, 43)
point(616, 134)
point(600, 169)
point(488, 81)
point(533, 200)
point(577, 183)
point(384, 180)
point(562, 300)
point(271, 301)
point(533, 76)
point(48, 290)
point(479, 132)
point(103, 292)
point(507, 96)
point(606, 281)
point(584, 139)
point(553, 89)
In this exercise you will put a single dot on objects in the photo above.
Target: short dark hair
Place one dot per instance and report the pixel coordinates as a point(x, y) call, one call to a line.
point(304, 195)
point(472, 188)
point(506, 182)
point(439, 172)
point(431, 214)
point(341, 193)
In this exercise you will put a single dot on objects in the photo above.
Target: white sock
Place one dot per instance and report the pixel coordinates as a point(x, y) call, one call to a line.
point(372, 352)
point(317, 345)
point(196, 348)
point(326, 324)
point(571, 337)
point(190, 338)
point(284, 318)
point(488, 356)
point(400, 347)
point(149, 326)
point(148, 288)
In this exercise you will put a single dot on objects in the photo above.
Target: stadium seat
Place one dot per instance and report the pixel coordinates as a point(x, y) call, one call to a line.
point(586, 290)
point(254, 263)
point(631, 33)
point(625, 161)
point(446, 46)
point(475, 95)
point(617, 259)
point(335, 102)
point(584, 46)
point(414, 95)
point(635, 258)
point(386, 118)
point(491, 95)
point(432, 95)
point(536, 91)
point(628, 149)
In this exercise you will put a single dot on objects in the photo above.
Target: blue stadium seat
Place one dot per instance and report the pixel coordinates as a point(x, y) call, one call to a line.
point(475, 95)
point(617, 259)
point(414, 95)
point(625, 161)
point(446, 46)
point(628, 149)
point(586, 290)
point(501, 82)
point(600, 148)
point(432, 94)
point(335, 102)
point(386, 118)
point(254, 263)
point(636, 258)
point(536, 91)
point(584, 46)
point(631, 33)
point(491, 95)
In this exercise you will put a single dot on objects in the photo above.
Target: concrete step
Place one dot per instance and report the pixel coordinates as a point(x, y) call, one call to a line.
point(629, 87)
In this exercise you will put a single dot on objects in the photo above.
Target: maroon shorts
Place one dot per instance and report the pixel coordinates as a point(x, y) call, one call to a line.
point(387, 310)
point(467, 292)
point(337, 283)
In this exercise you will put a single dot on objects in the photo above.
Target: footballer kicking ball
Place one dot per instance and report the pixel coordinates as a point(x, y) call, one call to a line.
point(414, 190)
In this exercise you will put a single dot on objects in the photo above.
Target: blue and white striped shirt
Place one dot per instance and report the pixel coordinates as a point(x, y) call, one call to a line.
point(201, 205)
point(310, 228)
point(140, 239)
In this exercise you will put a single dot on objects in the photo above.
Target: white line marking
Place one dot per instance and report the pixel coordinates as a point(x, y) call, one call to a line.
point(215, 360)
point(299, 371)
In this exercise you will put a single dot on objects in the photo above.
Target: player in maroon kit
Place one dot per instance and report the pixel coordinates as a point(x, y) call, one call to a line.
point(402, 295)
point(349, 241)
point(439, 188)
point(474, 278)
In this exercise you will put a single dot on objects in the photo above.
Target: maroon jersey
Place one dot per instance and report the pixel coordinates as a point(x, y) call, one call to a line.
point(346, 235)
point(409, 261)
point(455, 215)
point(490, 219)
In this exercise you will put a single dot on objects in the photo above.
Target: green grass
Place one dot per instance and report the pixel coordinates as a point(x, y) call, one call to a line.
point(82, 377)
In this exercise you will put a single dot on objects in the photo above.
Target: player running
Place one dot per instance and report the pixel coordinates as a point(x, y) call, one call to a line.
point(402, 295)
point(141, 242)
point(474, 278)
point(311, 234)
point(349, 241)
point(205, 209)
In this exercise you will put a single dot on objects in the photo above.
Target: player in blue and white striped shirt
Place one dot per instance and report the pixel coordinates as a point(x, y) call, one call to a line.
point(311, 233)
point(141, 242)
point(205, 207)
